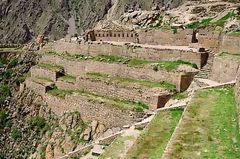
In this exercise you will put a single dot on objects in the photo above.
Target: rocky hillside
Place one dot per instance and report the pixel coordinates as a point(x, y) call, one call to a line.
point(22, 20)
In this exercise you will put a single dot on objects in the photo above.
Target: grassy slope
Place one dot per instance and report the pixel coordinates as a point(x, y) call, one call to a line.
point(153, 141)
point(209, 128)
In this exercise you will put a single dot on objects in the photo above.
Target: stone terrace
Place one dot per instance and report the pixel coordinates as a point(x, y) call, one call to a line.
point(111, 91)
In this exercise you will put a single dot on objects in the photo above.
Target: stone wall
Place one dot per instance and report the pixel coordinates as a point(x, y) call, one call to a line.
point(150, 96)
point(166, 37)
point(80, 68)
point(210, 39)
point(148, 53)
point(231, 44)
point(237, 95)
point(224, 70)
point(110, 116)
point(41, 72)
point(119, 36)
point(36, 87)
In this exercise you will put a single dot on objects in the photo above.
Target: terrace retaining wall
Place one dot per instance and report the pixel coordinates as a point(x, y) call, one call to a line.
point(110, 116)
point(148, 53)
point(224, 70)
point(41, 72)
point(79, 68)
point(150, 96)
point(231, 44)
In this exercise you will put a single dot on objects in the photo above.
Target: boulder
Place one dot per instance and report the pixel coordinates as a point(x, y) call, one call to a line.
point(49, 152)
point(97, 150)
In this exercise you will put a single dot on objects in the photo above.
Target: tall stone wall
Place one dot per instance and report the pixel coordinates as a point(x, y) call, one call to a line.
point(165, 37)
point(231, 44)
point(224, 70)
point(210, 39)
point(108, 115)
point(148, 53)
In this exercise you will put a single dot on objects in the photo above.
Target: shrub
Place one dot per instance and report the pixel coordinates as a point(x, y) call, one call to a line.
point(3, 120)
point(16, 134)
point(4, 93)
point(38, 122)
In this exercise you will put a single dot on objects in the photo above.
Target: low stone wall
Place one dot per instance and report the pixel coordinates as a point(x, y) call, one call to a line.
point(148, 53)
point(36, 87)
point(79, 152)
point(224, 70)
point(237, 95)
point(66, 85)
point(110, 116)
point(41, 72)
point(231, 44)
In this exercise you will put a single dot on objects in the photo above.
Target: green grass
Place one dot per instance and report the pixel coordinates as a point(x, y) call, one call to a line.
point(37, 122)
point(208, 22)
point(165, 65)
point(68, 78)
point(16, 134)
point(235, 33)
point(130, 81)
point(153, 141)
point(136, 106)
point(51, 67)
point(233, 57)
point(180, 96)
point(116, 148)
point(200, 24)
point(209, 128)
point(221, 22)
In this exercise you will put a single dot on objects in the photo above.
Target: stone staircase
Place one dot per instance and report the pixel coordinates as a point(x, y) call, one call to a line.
point(206, 70)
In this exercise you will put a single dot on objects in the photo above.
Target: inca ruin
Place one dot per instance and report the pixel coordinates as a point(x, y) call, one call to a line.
point(116, 79)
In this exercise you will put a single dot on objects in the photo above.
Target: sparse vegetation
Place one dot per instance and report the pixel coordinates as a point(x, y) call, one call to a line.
point(208, 22)
point(180, 96)
point(3, 119)
point(121, 103)
point(114, 150)
point(16, 134)
point(4, 92)
point(212, 131)
point(200, 24)
point(165, 65)
point(233, 57)
point(51, 67)
point(153, 141)
point(38, 123)
point(68, 78)
point(130, 81)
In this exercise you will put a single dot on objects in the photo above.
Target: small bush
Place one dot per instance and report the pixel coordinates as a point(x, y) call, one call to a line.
point(4, 93)
point(38, 122)
point(3, 120)
point(16, 134)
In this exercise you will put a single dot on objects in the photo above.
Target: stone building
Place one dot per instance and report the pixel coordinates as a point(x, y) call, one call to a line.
point(112, 35)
